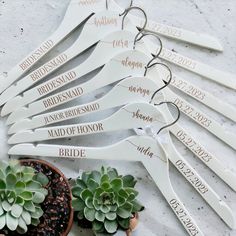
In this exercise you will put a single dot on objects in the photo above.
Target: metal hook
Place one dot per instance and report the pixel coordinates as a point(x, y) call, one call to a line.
point(166, 84)
point(107, 4)
point(125, 13)
point(159, 51)
point(175, 121)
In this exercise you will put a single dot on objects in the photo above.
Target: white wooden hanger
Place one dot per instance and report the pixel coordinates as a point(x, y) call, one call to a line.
point(191, 143)
point(123, 120)
point(134, 115)
point(111, 45)
point(202, 40)
point(210, 196)
point(128, 63)
point(81, 44)
point(127, 91)
point(136, 148)
point(134, 89)
point(76, 13)
point(96, 28)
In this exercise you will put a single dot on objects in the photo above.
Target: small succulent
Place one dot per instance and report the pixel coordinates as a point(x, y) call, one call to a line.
point(21, 193)
point(106, 200)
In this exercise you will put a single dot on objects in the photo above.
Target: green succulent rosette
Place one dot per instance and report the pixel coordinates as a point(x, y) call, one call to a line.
point(21, 193)
point(106, 199)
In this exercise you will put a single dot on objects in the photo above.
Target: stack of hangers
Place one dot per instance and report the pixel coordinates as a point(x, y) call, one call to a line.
point(128, 58)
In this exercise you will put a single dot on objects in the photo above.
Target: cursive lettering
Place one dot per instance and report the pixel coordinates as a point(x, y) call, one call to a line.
point(140, 116)
point(145, 151)
point(132, 64)
point(87, 2)
point(105, 21)
point(142, 91)
point(120, 43)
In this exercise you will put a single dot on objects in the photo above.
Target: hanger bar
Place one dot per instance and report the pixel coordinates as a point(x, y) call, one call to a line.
point(203, 96)
point(221, 77)
point(202, 40)
point(209, 159)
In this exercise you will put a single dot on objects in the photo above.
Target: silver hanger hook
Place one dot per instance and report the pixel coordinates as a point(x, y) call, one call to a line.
point(175, 121)
point(166, 84)
point(125, 13)
point(155, 56)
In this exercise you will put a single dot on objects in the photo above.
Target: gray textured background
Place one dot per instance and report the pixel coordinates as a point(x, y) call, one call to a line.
point(25, 23)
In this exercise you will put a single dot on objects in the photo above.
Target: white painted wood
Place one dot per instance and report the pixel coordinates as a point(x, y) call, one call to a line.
point(137, 148)
point(76, 13)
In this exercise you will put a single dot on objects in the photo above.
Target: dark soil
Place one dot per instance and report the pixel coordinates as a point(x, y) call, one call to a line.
point(56, 207)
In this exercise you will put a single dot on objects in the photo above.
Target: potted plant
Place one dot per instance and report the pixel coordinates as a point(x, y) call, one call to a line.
point(35, 199)
point(106, 201)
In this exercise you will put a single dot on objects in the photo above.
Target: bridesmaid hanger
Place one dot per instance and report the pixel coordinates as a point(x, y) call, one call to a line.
point(107, 48)
point(96, 28)
point(135, 115)
point(134, 89)
point(131, 62)
point(56, 132)
point(76, 13)
point(136, 148)
point(76, 49)
point(127, 91)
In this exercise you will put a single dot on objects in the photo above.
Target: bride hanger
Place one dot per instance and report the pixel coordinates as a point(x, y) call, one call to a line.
point(74, 130)
point(128, 90)
point(76, 13)
point(136, 148)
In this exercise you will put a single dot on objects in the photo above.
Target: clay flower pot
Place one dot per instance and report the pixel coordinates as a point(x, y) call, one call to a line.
point(58, 213)
point(133, 224)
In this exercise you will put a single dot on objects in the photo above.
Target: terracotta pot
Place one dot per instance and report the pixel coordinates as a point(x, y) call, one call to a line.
point(54, 169)
point(133, 224)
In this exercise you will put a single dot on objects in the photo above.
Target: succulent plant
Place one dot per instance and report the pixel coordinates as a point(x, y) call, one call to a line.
point(105, 199)
point(21, 193)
